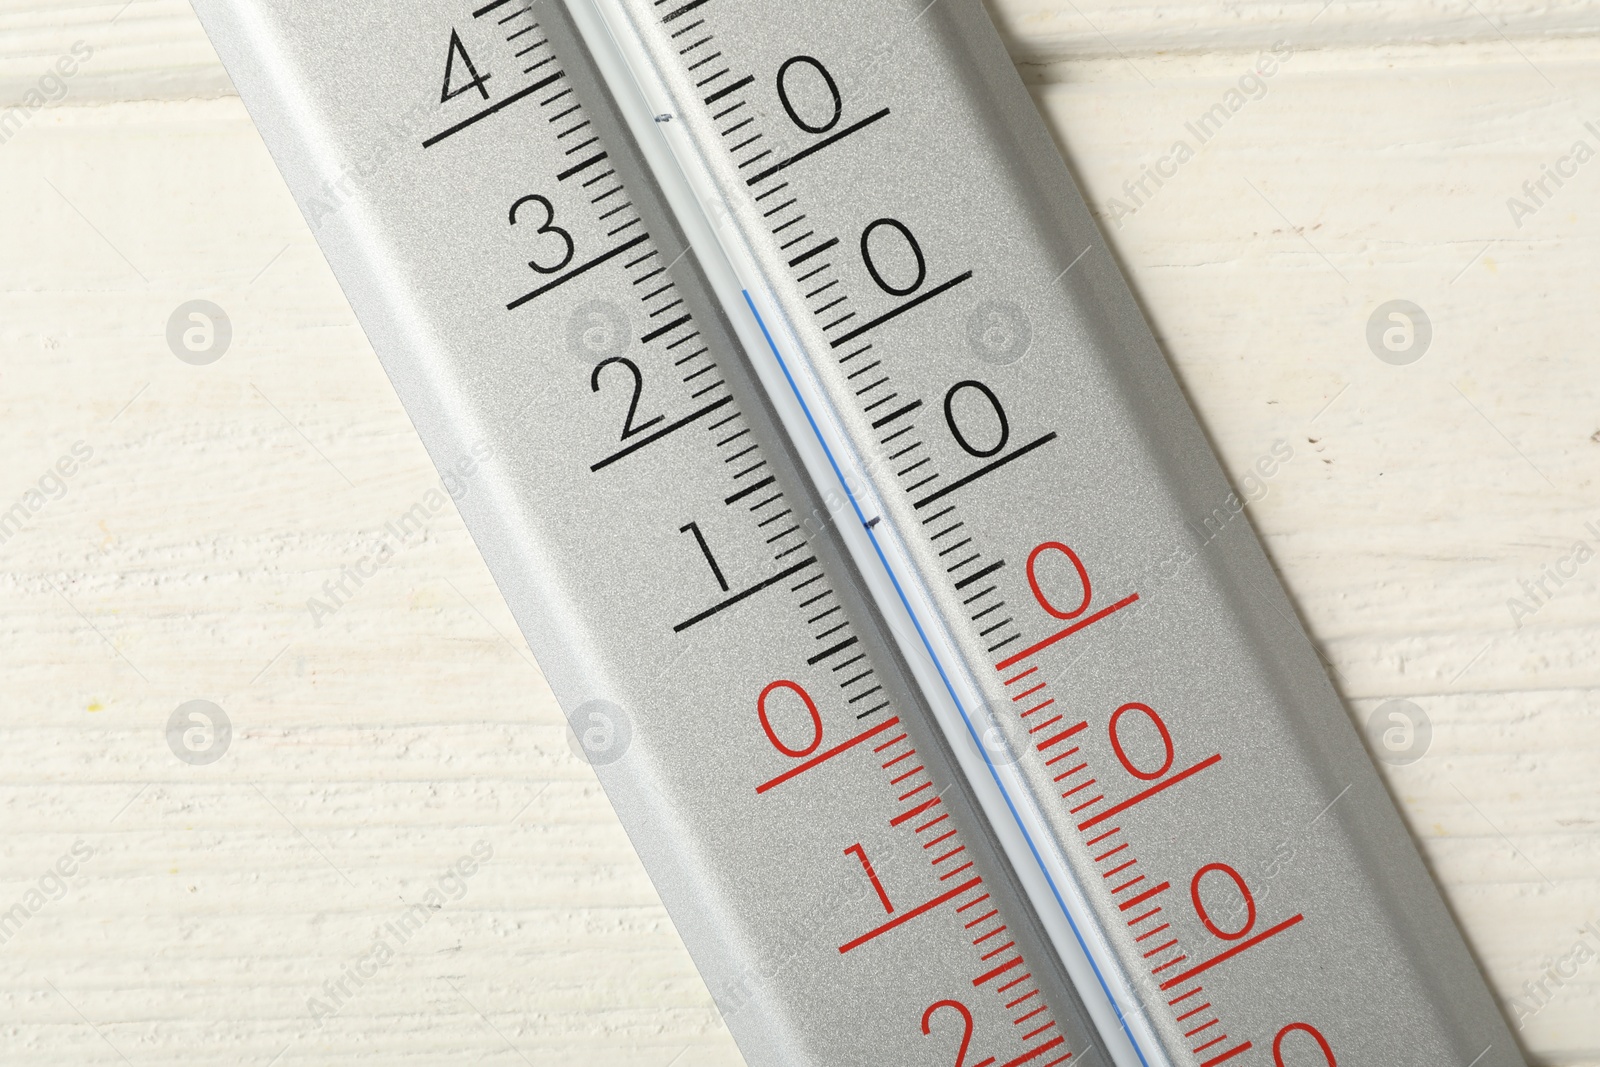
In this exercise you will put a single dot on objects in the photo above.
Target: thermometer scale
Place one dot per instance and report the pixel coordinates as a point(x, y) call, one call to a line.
point(837, 486)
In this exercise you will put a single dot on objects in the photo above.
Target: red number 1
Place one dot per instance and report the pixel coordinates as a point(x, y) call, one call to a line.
point(872, 875)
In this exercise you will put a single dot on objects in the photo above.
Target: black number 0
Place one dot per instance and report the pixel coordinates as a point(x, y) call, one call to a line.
point(955, 431)
point(788, 105)
point(911, 242)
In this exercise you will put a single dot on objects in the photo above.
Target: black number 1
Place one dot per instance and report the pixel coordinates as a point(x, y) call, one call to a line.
point(716, 571)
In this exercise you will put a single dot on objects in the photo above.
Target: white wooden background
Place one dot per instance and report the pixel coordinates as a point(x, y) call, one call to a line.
point(373, 752)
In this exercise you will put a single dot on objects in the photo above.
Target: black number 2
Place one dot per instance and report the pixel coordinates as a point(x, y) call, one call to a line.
point(628, 428)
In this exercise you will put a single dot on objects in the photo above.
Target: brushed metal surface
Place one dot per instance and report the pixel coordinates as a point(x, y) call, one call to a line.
point(922, 121)
point(422, 188)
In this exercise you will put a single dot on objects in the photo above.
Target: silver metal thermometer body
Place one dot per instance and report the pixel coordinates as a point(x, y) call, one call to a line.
point(926, 298)
point(681, 586)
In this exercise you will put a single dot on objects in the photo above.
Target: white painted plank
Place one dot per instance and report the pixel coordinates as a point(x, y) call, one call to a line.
point(154, 49)
point(1418, 501)
point(379, 747)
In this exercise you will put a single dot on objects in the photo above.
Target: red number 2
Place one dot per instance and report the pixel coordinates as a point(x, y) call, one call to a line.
point(1306, 1028)
point(966, 1031)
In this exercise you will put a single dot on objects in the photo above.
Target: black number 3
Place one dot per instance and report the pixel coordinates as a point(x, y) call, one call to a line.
point(548, 226)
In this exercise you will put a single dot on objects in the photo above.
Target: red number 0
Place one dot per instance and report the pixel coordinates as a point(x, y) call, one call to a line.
point(966, 1022)
point(772, 735)
point(1200, 908)
point(1322, 1043)
point(1038, 594)
point(1161, 727)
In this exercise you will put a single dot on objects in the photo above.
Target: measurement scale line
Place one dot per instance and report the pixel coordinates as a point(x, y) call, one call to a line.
point(895, 313)
point(1232, 952)
point(1129, 905)
point(1012, 661)
point(1228, 1055)
point(918, 769)
point(1162, 948)
point(984, 471)
point(493, 108)
point(663, 432)
point(840, 647)
point(727, 90)
point(890, 744)
point(744, 595)
point(1058, 738)
point(817, 251)
point(580, 167)
point(801, 768)
point(920, 809)
point(749, 489)
point(885, 420)
point(977, 576)
point(944, 677)
point(571, 274)
point(680, 12)
point(1139, 798)
point(1036, 1052)
point(662, 331)
point(919, 910)
point(998, 971)
point(819, 146)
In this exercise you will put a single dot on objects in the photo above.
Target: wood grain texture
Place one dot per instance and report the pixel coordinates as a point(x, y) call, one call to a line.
point(376, 750)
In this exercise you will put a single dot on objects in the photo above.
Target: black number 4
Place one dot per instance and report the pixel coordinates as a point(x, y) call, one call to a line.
point(458, 51)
